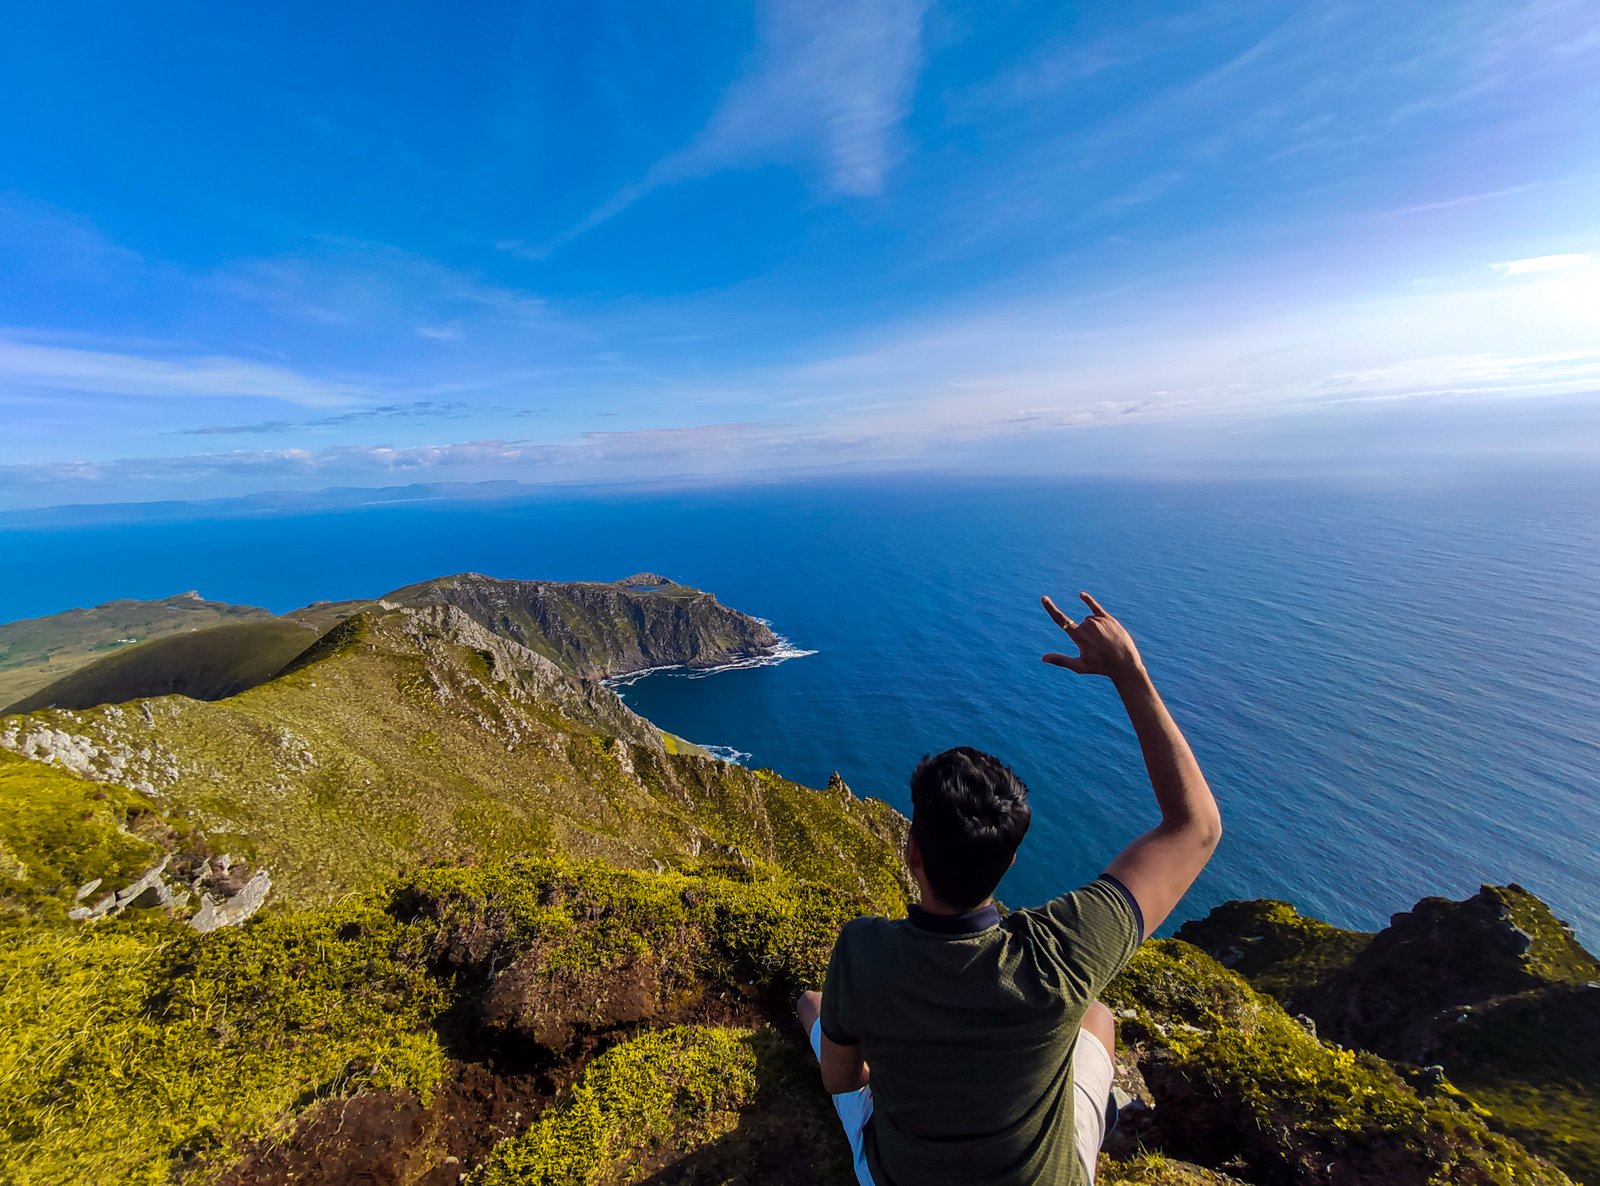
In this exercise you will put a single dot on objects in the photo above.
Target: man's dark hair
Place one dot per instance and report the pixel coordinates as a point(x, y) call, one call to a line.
point(968, 814)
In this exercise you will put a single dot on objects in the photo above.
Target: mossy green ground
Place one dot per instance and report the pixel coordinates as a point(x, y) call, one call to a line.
point(662, 1094)
point(1247, 1085)
point(1525, 1045)
point(58, 833)
point(136, 1050)
point(1279, 950)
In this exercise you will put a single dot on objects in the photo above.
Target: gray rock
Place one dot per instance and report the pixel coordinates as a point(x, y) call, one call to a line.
point(148, 889)
point(86, 889)
point(215, 913)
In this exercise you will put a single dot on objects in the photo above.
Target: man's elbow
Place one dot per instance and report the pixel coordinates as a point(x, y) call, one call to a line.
point(838, 1084)
point(1201, 832)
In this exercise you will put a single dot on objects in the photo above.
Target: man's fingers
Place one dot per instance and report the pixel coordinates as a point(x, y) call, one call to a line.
point(1094, 606)
point(1056, 616)
point(1070, 662)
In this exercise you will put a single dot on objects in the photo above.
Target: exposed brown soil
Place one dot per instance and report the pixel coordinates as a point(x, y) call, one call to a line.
point(390, 1138)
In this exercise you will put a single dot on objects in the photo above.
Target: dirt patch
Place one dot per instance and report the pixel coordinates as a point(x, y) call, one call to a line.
point(549, 1010)
point(389, 1138)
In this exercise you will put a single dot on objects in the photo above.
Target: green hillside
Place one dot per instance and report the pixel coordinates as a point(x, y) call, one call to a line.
point(35, 652)
point(208, 664)
point(411, 736)
point(558, 1022)
point(1494, 990)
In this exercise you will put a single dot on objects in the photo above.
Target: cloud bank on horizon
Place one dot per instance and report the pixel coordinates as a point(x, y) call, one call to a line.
point(252, 249)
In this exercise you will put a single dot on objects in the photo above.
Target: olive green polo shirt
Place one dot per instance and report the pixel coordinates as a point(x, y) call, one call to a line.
point(968, 1024)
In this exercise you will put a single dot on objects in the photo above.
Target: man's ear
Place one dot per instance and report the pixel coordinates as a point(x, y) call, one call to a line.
point(1013, 860)
point(914, 855)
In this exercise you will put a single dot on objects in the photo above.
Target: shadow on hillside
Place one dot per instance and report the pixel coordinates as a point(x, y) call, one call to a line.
point(789, 1136)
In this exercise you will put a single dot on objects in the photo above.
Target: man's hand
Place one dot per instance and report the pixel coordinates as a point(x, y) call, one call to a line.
point(1159, 867)
point(1104, 647)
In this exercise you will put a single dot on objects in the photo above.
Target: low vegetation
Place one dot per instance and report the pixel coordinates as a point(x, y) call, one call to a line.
point(518, 934)
point(1493, 991)
point(1240, 1085)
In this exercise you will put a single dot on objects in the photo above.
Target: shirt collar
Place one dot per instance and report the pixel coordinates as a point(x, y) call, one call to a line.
point(969, 923)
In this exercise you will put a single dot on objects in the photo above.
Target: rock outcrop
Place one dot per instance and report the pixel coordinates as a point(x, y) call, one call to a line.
point(1493, 993)
point(598, 631)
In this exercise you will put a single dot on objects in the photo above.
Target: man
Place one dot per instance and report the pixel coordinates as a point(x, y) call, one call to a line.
point(961, 1047)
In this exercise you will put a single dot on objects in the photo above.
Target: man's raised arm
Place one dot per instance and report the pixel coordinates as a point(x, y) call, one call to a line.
point(1159, 867)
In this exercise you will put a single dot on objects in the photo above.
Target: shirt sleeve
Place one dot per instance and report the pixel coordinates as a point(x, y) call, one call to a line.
point(837, 1025)
point(1098, 927)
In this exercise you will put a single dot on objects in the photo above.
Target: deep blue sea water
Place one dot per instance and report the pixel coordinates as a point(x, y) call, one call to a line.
point(1394, 688)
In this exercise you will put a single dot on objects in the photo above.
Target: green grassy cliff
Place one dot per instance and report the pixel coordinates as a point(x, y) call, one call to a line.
point(209, 664)
point(413, 736)
point(513, 933)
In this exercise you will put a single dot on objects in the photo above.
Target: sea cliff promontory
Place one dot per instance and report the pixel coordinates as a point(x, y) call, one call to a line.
point(428, 903)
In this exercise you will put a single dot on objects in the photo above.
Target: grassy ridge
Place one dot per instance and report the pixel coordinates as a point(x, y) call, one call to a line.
point(1494, 989)
point(35, 652)
point(407, 737)
point(209, 664)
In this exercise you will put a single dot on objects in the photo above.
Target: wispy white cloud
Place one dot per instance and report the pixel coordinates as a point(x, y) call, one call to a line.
point(426, 409)
point(1543, 263)
point(1467, 199)
point(832, 82)
point(31, 366)
point(707, 448)
point(830, 85)
point(336, 463)
point(354, 283)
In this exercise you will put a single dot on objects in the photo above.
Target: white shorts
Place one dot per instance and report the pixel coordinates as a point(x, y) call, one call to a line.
point(1092, 1071)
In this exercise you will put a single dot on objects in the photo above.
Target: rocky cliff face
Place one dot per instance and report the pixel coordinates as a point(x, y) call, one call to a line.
point(598, 630)
point(209, 650)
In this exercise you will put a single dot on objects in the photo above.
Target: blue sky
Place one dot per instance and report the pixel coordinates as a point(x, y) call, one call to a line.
point(295, 246)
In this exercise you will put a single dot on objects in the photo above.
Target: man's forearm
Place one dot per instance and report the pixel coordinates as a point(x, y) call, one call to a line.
point(1181, 790)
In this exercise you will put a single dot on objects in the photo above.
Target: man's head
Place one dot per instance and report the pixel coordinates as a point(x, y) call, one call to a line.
point(968, 814)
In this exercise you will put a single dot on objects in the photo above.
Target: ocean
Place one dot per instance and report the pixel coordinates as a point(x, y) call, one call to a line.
point(1393, 687)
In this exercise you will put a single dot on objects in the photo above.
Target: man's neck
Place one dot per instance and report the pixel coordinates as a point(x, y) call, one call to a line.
point(931, 903)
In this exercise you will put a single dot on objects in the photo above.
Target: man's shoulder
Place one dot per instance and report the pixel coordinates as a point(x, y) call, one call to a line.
point(867, 928)
point(1099, 922)
point(863, 937)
